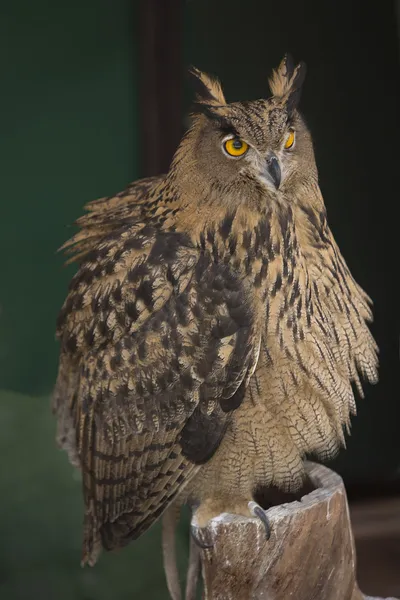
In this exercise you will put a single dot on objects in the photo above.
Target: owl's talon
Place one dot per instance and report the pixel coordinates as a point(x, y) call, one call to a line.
point(194, 532)
point(260, 513)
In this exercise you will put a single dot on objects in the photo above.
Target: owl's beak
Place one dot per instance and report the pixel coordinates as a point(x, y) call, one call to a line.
point(273, 170)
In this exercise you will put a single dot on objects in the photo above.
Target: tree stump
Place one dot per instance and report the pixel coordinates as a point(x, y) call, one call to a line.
point(310, 554)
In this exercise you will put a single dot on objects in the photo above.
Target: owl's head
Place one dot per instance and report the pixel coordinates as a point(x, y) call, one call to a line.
point(248, 149)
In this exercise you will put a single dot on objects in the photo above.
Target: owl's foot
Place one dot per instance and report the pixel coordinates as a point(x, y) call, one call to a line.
point(211, 508)
point(256, 510)
point(197, 534)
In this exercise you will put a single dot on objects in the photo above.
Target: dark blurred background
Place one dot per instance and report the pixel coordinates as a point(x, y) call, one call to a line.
point(94, 95)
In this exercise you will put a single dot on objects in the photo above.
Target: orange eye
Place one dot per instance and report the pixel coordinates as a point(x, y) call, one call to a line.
point(236, 147)
point(289, 140)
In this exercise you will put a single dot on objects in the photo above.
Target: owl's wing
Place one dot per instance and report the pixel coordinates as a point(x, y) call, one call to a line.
point(158, 344)
point(104, 215)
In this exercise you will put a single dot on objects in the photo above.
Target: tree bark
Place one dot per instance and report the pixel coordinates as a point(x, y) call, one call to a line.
point(310, 554)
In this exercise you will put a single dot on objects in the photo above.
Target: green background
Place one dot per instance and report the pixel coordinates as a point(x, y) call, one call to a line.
point(69, 116)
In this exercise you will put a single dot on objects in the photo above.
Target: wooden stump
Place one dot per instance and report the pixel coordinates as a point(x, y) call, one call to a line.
point(309, 556)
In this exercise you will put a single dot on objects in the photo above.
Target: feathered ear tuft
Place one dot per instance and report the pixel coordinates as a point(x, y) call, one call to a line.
point(286, 81)
point(208, 89)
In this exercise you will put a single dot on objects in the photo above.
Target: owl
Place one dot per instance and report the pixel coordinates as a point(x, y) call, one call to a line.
point(213, 333)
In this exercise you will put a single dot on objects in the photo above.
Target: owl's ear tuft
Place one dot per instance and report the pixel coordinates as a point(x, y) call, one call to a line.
point(287, 80)
point(208, 89)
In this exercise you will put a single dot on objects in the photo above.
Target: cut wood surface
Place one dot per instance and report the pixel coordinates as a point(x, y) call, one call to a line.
point(310, 554)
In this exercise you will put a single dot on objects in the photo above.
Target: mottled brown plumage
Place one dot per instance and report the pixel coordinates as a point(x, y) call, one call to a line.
point(213, 330)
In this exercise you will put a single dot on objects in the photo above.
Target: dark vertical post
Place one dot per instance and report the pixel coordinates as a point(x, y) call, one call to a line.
point(160, 83)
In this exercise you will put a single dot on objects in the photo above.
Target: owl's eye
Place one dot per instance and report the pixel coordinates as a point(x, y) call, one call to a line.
point(235, 147)
point(289, 140)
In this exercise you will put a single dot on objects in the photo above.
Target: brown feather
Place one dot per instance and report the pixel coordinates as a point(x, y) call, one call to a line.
point(213, 331)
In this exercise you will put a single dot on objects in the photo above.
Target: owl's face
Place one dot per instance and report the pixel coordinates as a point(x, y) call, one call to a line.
point(252, 148)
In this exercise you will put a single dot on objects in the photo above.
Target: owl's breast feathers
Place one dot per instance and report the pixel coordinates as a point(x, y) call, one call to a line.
point(161, 332)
